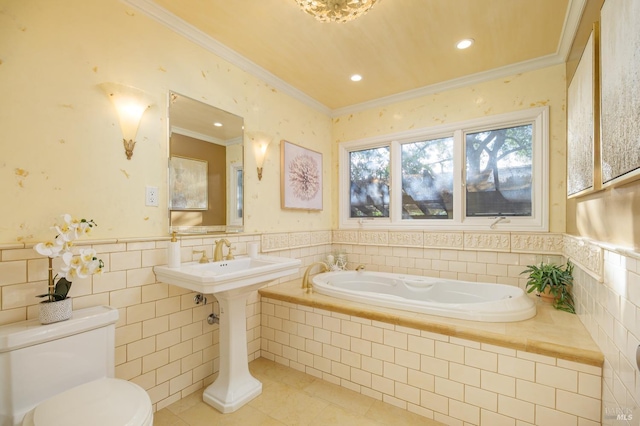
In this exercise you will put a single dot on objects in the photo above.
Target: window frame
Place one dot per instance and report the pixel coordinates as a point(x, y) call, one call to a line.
point(538, 221)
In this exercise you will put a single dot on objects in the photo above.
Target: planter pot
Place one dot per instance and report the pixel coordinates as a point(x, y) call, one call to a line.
point(51, 312)
point(546, 296)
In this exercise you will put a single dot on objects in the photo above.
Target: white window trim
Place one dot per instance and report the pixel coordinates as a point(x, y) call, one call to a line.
point(539, 220)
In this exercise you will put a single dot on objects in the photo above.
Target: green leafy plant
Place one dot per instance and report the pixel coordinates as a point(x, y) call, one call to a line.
point(557, 280)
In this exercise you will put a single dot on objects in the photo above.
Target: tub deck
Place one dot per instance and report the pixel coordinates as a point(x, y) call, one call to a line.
point(551, 332)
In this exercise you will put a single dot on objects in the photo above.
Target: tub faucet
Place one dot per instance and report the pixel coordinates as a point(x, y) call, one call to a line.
point(305, 278)
point(360, 268)
point(217, 252)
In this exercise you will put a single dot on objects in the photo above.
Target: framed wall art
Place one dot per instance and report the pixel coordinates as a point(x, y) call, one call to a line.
point(620, 91)
point(188, 184)
point(583, 142)
point(301, 177)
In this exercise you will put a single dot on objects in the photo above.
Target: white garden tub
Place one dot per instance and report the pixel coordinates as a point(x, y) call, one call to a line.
point(436, 296)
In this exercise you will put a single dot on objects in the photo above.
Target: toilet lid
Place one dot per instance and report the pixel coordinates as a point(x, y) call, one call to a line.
point(104, 402)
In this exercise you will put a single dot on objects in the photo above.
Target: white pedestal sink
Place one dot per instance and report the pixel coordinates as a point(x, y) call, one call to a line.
point(234, 386)
point(231, 282)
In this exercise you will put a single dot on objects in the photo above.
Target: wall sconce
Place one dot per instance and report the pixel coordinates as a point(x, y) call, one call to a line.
point(260, 143)
point(130, 104)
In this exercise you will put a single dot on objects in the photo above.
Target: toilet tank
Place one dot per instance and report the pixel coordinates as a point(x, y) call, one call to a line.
point(39, 361)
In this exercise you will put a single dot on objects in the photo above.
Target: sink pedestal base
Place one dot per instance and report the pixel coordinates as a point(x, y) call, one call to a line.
point(235, 386)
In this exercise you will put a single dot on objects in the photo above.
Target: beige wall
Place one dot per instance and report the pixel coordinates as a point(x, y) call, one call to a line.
point(531, 89)
point(61, 149)
point(62, 153)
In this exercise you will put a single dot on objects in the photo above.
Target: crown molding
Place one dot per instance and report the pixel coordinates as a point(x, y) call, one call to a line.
point(457, 83)
point(575, 10)
point(191, 33)
point(169, 20)
point(571, 22)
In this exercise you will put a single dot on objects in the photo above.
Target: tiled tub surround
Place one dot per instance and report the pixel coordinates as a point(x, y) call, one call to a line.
point(543, 371)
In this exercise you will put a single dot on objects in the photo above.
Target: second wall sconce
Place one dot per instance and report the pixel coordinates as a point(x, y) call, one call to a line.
point(260, 143)
point(130, 104)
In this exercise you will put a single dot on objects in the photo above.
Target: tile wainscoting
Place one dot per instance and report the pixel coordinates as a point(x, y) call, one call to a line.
point(165, 344)
point(607, 293)
point(163, 340)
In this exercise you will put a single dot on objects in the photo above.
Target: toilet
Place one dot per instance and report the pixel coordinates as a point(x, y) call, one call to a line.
point(62, 374)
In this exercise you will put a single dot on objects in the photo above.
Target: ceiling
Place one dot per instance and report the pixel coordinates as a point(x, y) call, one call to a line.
point(399, 46)
point(196, 119)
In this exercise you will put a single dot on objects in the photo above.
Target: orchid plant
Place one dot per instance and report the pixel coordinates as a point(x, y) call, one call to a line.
point(79, 265)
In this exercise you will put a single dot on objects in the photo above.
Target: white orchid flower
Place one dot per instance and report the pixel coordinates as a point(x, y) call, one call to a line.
point(80, 265)
point(67, 258)
point(49, 248)
point(83, 271)
point(95, 266)
point(87, 255)
point(69, 273)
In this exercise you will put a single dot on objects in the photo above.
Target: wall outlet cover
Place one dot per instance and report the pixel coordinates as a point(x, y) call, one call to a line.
point(151, 198)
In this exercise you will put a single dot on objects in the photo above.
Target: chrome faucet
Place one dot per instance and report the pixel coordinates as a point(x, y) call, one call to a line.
point(305, 278)
point(217, 252)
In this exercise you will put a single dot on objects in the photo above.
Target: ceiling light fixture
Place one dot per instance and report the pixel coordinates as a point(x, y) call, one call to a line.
point(217, 124)
point(356, 77)
point(336, 10)
point(463, 44)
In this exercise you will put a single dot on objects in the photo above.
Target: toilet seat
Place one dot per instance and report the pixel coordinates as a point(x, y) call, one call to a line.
point(103, 402)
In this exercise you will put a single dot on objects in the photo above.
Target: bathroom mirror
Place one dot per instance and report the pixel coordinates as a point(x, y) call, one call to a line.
point(205, 168)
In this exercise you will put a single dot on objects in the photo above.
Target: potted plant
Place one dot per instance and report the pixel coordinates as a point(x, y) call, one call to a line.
point(57, 306)
point(553, 280)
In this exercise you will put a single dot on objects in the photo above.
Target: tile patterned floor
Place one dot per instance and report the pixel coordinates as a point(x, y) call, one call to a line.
point(290, 397)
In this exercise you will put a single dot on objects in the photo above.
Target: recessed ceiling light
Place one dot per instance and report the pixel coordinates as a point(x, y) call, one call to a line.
point(217, 124)
point(463, 44)
point(356, 77)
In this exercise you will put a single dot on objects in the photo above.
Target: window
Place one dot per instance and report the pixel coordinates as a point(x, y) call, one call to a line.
point(369, 182)
point(466, 175)
point(498, 179)
point(427, 179)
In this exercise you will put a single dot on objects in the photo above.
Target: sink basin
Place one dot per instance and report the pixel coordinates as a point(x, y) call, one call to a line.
point(231, 282)
point(228, 275)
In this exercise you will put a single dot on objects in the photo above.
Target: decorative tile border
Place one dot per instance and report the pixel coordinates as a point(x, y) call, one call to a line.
point(485, 241)
point(271, 242)
point(583, 252)
point(320, 237)
point(373, 237)
point(537, 243)
point(586, 254)
point(444, 240)
point(344, 237)
point(299, 239)
point(406, 238)
point(276, 242)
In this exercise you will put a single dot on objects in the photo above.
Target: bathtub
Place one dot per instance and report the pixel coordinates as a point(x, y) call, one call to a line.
point(436, 296)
